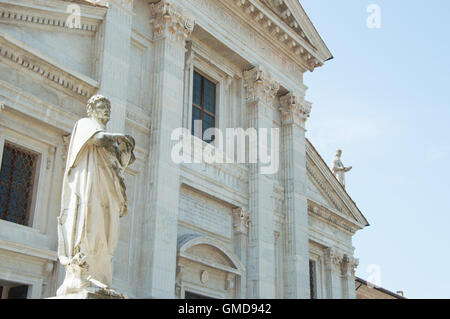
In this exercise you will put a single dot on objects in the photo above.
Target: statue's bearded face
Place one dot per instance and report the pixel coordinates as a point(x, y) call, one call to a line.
point(102, 111)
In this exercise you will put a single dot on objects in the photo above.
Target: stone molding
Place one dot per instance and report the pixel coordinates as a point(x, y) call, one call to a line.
point(331, 217)
point(259, 86)
point(295, 43)
point(294, 110)
point(54, 17)
point(32, 60)
point(241, 218)
point(169, 21)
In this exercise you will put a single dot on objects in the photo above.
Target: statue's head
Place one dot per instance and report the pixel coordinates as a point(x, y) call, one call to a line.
point(99, 107)
point(338, 152)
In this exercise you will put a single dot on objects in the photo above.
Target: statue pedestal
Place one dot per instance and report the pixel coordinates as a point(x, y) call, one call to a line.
point(92, 294)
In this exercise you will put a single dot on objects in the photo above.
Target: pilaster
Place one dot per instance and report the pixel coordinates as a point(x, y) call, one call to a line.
point(113, 71)
point(333, 278)
point(240, 230)
point(348, 267)
point(294, 111)
point(261, 90)
point(171, 27)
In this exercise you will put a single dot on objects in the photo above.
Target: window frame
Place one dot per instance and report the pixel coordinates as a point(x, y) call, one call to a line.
point(201, 107)
point(8, 135)
point(34, 178)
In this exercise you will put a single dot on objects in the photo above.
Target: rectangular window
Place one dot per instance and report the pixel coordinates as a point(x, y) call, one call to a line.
point(17, 176)
point(312, 279)
point(203, 105)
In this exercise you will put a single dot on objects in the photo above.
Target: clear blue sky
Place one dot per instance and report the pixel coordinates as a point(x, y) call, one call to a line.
point(385, 100)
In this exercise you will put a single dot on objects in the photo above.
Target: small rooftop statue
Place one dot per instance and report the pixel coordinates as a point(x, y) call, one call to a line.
point(338, 168)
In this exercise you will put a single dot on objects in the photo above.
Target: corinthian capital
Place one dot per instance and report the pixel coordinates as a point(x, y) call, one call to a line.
point(240, 220)
point(333, 257)
point(170, 21)
point(349, 265)
point(259, 86)
point(294, 109)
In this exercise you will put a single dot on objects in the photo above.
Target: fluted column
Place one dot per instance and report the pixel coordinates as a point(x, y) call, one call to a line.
point(294, 111)
point(260, 93)
point(171, 27)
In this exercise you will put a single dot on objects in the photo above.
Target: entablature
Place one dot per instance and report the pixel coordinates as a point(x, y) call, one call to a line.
point(52, 14)
point(32, 60)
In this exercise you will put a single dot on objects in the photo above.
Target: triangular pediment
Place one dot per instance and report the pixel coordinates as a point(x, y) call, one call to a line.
point(316, 193)
point(293, 15)
point(280, 8)
point(325, 190)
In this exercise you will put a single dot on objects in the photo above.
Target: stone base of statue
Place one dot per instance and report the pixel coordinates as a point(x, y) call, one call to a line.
point(92, 293)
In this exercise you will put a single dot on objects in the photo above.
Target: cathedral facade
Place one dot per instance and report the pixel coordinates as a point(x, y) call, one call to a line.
point(194, 230)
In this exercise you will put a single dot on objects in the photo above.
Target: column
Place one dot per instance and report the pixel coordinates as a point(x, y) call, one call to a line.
point(260, 93)
point(113, 70)
point(333, 278)
point(171, 28)
point(349, 265)
point(294, 111)
point(240, 240)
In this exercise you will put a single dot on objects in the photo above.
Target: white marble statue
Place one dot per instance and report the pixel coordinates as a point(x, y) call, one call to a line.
point(93, 200)
point(338, 168)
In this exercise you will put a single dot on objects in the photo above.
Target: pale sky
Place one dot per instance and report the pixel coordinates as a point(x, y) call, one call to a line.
point(384, 100)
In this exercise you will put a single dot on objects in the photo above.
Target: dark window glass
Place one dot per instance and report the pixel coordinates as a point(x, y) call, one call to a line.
point(191, 295)
point(19, 292)
point(16, 184)
point(312, 279)
point(204, 104)
point(197, 98)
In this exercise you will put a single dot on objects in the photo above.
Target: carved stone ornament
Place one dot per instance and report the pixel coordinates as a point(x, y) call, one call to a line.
point(294, 110)
point(333, 257)
point(170, 21)
point(348, 265)
point(240, 220)
point(204, 276)
point(259, 86)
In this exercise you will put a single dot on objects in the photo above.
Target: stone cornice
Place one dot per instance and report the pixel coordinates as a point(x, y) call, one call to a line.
point(333, 217)
point(168, 20)
point(294, 110)
point(259, 86)
point(51, 14)
point(278, 30)
point(32, 60)
point(20, 248)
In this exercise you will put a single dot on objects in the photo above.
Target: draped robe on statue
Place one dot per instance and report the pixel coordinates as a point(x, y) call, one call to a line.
point(93, 200)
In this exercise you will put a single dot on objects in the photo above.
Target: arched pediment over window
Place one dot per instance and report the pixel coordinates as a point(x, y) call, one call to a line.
point(210, 252)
